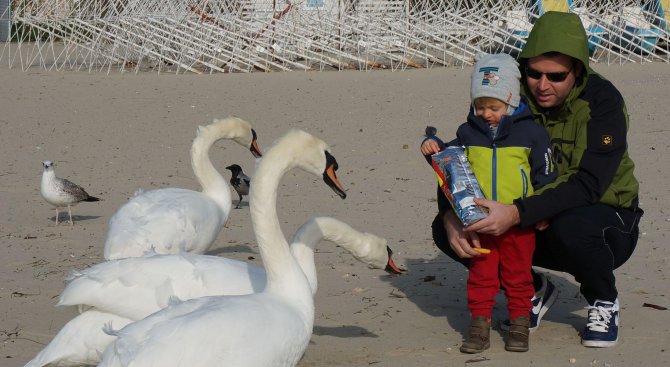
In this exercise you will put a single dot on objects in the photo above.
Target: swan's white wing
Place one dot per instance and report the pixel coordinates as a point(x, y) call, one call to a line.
point(81, 341)
point(138, 286)
point(251, 331)
point(164, 220)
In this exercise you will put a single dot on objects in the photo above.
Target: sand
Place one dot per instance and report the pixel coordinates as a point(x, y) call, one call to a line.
point(114, 134)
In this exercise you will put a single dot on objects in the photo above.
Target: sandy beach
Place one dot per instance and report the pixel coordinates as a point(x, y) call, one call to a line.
point(116, 133)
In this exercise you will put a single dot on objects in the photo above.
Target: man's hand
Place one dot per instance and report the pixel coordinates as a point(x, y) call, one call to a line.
point(501, 217)
point(542, 225)
point(461, 242)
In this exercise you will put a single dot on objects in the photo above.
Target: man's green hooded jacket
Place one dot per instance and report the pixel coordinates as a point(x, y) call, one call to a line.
point(588, 132)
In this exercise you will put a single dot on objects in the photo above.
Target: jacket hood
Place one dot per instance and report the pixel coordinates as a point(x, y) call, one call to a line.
point(558, 32)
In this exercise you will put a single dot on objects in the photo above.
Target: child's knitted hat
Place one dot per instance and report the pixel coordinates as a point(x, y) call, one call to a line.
point(496, 76)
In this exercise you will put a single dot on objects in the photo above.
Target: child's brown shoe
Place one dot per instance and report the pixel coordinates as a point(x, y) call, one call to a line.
point(517, 337)
point(478, 339)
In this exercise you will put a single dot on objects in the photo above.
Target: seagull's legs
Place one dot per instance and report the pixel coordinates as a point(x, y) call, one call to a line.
point(69, 211)
point(57, 215)
point(239, 202)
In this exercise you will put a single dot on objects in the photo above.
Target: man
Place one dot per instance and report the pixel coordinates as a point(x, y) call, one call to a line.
point(587, 220)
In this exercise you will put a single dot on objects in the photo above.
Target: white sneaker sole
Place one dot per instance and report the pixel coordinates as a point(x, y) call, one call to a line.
point(599, 343)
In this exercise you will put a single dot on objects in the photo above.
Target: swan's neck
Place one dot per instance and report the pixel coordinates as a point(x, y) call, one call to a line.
point(211, 181)
point(318, 229)
point(283, 272)
point(302, 247)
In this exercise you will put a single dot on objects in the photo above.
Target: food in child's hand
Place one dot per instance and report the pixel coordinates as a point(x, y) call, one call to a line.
point(482, 251)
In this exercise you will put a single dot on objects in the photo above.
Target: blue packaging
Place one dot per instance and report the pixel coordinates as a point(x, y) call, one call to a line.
point(458, 183)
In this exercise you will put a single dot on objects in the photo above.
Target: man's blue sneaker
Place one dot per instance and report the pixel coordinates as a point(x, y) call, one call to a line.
point(602, 329)
point(543, 299)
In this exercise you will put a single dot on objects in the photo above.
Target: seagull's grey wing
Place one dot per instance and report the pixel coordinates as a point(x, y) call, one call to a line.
point(71, 189)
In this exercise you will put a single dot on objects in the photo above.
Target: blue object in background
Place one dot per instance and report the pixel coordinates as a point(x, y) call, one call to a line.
point(5, 21)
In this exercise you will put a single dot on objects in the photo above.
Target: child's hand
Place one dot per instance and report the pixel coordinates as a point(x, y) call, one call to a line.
point(429, 147)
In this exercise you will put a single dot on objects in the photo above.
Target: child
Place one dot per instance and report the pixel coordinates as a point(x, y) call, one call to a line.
point(510, 156)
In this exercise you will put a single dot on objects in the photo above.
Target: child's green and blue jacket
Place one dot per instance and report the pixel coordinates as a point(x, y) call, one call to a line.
point(510, 165)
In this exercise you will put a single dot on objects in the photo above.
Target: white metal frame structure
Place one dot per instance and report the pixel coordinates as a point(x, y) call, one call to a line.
point(221, 36)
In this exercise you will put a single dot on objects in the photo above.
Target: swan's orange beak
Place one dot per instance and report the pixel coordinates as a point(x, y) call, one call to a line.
point(330, 178)
point(391, 268)
point(254, 146)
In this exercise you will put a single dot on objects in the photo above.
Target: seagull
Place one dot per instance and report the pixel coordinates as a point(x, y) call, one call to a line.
point(60, 192)
point(239, 181)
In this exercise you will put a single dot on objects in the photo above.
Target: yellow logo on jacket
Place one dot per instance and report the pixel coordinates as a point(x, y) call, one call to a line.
point(607, 140)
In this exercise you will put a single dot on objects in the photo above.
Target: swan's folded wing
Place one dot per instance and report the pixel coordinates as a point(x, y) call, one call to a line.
point(163, 220)
point(137, 287)
point(184, 334)
point(81, 341)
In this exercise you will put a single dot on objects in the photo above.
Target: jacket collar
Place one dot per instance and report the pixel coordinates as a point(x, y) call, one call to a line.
point(520, 113)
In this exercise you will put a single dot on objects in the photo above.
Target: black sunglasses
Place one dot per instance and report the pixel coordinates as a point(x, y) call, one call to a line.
point(552, 77)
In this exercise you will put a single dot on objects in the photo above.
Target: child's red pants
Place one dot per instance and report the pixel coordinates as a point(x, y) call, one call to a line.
point(508, 265)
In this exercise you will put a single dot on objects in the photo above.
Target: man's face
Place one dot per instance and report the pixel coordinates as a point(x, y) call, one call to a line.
point(541, 70)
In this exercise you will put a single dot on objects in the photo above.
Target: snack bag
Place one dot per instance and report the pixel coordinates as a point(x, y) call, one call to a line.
point(458, 183)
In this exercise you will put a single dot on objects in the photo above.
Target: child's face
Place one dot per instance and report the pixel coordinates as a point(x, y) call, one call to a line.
point(490, 109)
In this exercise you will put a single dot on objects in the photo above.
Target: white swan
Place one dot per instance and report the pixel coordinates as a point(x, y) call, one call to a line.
point(270, 328)
point(172, 219)
point(81, 341)
point(137, 287)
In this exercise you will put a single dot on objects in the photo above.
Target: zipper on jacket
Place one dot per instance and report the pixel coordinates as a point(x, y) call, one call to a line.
point(494, 168)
